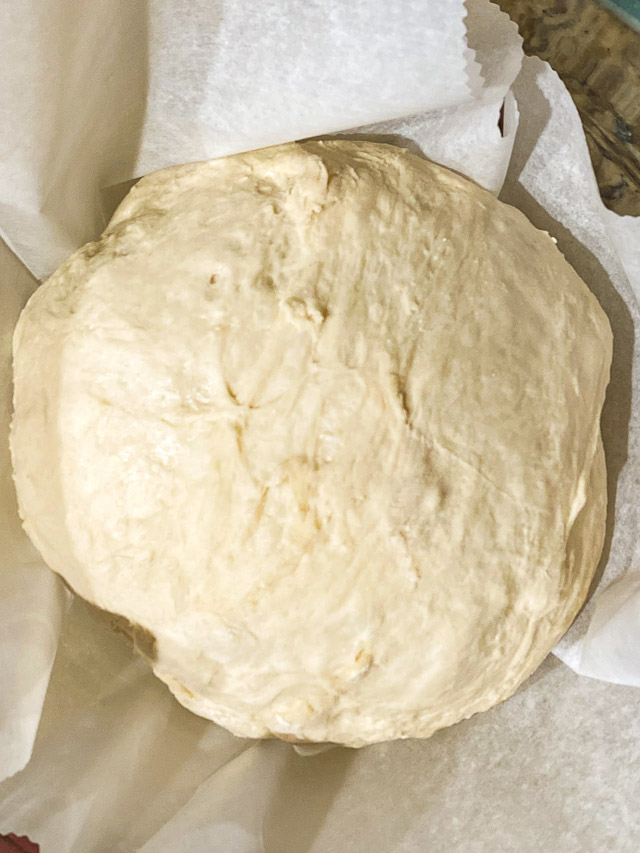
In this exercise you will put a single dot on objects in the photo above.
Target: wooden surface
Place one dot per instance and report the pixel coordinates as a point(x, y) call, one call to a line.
point(598, 58)
point(17, 844)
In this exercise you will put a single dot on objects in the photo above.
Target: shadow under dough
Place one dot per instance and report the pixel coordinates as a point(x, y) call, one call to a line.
point(301, 802)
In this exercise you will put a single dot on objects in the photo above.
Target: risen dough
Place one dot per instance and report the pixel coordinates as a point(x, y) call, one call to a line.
point(324, 420)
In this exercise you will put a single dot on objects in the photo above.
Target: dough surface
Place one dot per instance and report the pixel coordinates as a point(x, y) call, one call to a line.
point(324, 420)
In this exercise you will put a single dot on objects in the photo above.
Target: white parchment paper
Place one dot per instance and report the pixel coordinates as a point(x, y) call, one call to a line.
point(94, 96)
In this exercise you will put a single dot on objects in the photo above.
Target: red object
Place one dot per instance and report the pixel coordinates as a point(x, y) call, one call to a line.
point(13, 844)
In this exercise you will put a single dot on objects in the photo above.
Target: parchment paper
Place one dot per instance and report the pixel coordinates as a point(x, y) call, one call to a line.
point(100, 93)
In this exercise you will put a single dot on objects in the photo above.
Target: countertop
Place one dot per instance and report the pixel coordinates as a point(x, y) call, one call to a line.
point(598, 58)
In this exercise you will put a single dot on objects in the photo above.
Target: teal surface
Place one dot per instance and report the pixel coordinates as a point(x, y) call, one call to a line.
point(628, 10)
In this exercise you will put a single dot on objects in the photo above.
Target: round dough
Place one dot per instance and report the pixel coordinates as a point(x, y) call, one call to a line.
point(323, 419)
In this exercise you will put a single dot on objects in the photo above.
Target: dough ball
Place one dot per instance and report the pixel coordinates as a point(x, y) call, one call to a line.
point(323, 421)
